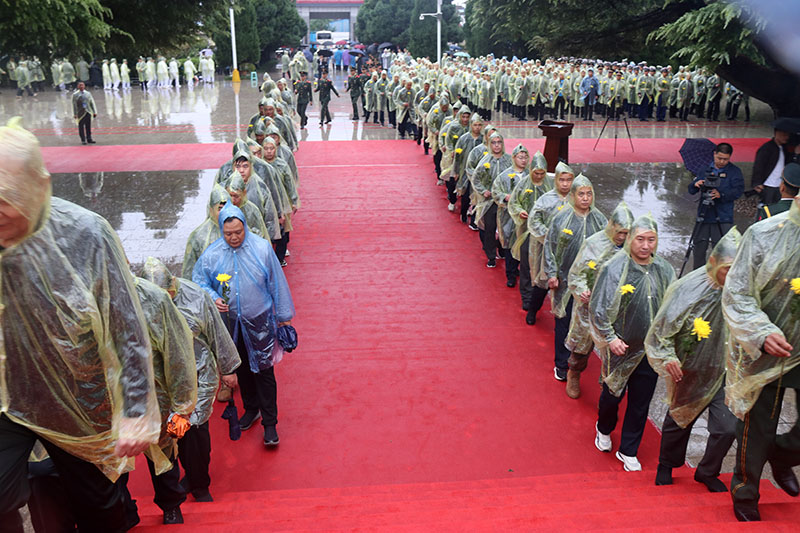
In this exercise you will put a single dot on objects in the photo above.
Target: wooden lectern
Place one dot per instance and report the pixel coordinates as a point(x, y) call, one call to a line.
point(556, 147)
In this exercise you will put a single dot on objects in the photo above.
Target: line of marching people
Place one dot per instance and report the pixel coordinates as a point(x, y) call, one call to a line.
point(707, 334)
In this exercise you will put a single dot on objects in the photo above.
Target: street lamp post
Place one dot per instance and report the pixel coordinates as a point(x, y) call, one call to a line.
point(438, 16)
point(235, 71)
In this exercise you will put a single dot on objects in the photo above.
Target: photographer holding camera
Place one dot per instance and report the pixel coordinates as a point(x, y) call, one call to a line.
point(720, 184)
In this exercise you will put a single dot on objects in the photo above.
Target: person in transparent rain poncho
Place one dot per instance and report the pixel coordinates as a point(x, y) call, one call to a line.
point(288, 187)
point(594, 252)
point(567, 231)
point(544, 209)
point(237, 189)
point(761, 303)
point(214, 354)
point(687, 346)
point(502, 188)
point(246, 282)
point(489, 167)
point(461, 152)
point(437, 119)
point(530, 188)
point(76, 370)
point(626, 297)
point(449, 139)
point(207, 232)
point(176, 389)
point(475, 155)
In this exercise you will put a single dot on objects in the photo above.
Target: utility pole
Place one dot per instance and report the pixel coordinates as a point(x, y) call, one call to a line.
point(438, 16)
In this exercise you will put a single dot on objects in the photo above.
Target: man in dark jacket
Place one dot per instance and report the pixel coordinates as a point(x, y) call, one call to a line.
point(721, 184)
point(770, 160)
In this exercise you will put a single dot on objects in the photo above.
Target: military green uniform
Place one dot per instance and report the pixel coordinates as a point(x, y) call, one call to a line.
point(354, 88)
point(771, 210)
point(302, 89)
point(324, 88)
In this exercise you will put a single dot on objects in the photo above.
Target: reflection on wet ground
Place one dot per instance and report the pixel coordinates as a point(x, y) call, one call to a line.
point(208, 113)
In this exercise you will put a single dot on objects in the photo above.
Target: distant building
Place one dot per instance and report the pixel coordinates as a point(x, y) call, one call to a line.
point(330, 9)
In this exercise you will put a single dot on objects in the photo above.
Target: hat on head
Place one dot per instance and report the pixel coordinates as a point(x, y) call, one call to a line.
point(791, 174)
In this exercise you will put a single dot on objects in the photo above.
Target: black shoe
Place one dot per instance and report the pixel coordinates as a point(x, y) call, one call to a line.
point(91, 141)
point(202, 496)
point(785, 478)
point(83, 142)
point(560, 373)
point(511, 283)
point(327, 122)
point(713, 484)
point(530, 318)
point(271, 436)
point(663, 475)
point(473, 227)
point(173, 516)
point(491, 263)
point(248, 419)
point(746, 514)
point(525, 306)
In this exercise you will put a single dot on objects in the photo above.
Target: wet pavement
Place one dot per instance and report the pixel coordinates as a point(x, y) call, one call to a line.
point(154, 212)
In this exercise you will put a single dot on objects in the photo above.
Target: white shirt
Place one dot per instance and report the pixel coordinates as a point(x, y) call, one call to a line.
point(774, 178)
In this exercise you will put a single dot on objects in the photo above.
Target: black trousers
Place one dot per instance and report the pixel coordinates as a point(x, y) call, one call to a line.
point(707, 233)
point(640, 387)
point(643, 108)
point(324, 113)
point(406, 127)
point(559, 108)
point(713, 107)
point(490, 243)
point(301, 110)
point(281, 245)
point(511, 264)
point(95, 501)
point(168, 492)
point(393, 118)
point(538, 295)
point(451, 190)
point(259, 391)
point(721, 430)
point(48, 504)
point(85, 127)
point(354, 101)
point(465, 202)
point(437, 162)
point(194, 452)
point(757, 441)
point(525, 285)
point(561, 329)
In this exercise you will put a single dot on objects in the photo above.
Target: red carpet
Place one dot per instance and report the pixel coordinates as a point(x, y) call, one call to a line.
point(418, 397)
point(144, 157)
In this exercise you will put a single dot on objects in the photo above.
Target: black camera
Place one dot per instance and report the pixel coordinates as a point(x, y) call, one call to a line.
point(711, 181)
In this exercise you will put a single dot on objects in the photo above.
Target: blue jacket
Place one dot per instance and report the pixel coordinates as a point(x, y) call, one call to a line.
point(590, 89)
point(730, 188)
point(258, 294)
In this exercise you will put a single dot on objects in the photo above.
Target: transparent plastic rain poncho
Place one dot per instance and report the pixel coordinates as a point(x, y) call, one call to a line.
point(285, 176)
point(227, 167)
point(214, 351)
point(565, 236)
point(544, 209)
point(251, 213)
point(504, 185)
point(438, 117)
point(75, 364)
point(523, 198)
point(260, 193)
point(284, 152)
point(461, 153)
point(478, 152)
point(259, 296)
point(697, 295)
point(206, 233)
point(627, 317)
point(759, 293)
point(486, 172)
point(449, 138)
point(595, 250)
point(174, 368)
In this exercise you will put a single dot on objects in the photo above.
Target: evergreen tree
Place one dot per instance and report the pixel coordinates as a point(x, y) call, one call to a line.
point(422, 33)
point(384, 21)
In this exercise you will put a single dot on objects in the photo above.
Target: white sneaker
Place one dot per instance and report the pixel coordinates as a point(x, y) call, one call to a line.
point(451, 207)
point(440, 182)
point(602, 442)
point(630, 464)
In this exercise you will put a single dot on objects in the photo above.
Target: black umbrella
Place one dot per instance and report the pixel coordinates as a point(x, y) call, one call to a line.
point(787, 124)
point(325, 53)
point(385, 45)
point(372, 49)
point(327, 43)
point(356, 52)
point(697, 154)
point(232, 416)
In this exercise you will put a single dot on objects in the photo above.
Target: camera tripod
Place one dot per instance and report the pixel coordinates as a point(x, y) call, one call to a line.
point(616, 125)
point(701, 218)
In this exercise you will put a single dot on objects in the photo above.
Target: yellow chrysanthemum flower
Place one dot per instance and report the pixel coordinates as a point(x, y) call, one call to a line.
point(223, 278)
point(487, 165)
point(512, 174)
point(592, 265)
point(455, 136)
point(627, 289)
point(559, 208)
point(795, 285)
point(567, 231)
point(529, 190)
point(459, 150)
point(436, 110)
point(701, 328)
point(485, 152)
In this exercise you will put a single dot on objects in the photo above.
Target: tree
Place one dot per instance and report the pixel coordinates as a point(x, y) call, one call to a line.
point(319, 25)
point(384, 20)
point(422, 33)
point(279, 24)
point(248, 43)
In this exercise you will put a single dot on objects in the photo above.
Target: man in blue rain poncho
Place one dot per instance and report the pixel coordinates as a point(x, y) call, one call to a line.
point(686, 345)
point(567, 231)
point(214, 354)
point(626, 297)
point(761, 304)
point(76, 368)
point(244, 278)
point(594, 253)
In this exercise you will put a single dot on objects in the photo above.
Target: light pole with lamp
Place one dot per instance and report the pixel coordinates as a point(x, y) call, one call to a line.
point(235, 72)
point(438, 16)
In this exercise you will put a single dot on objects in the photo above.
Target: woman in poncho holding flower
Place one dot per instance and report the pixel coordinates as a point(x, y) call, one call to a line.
point(686, 345)
point(626, 297)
